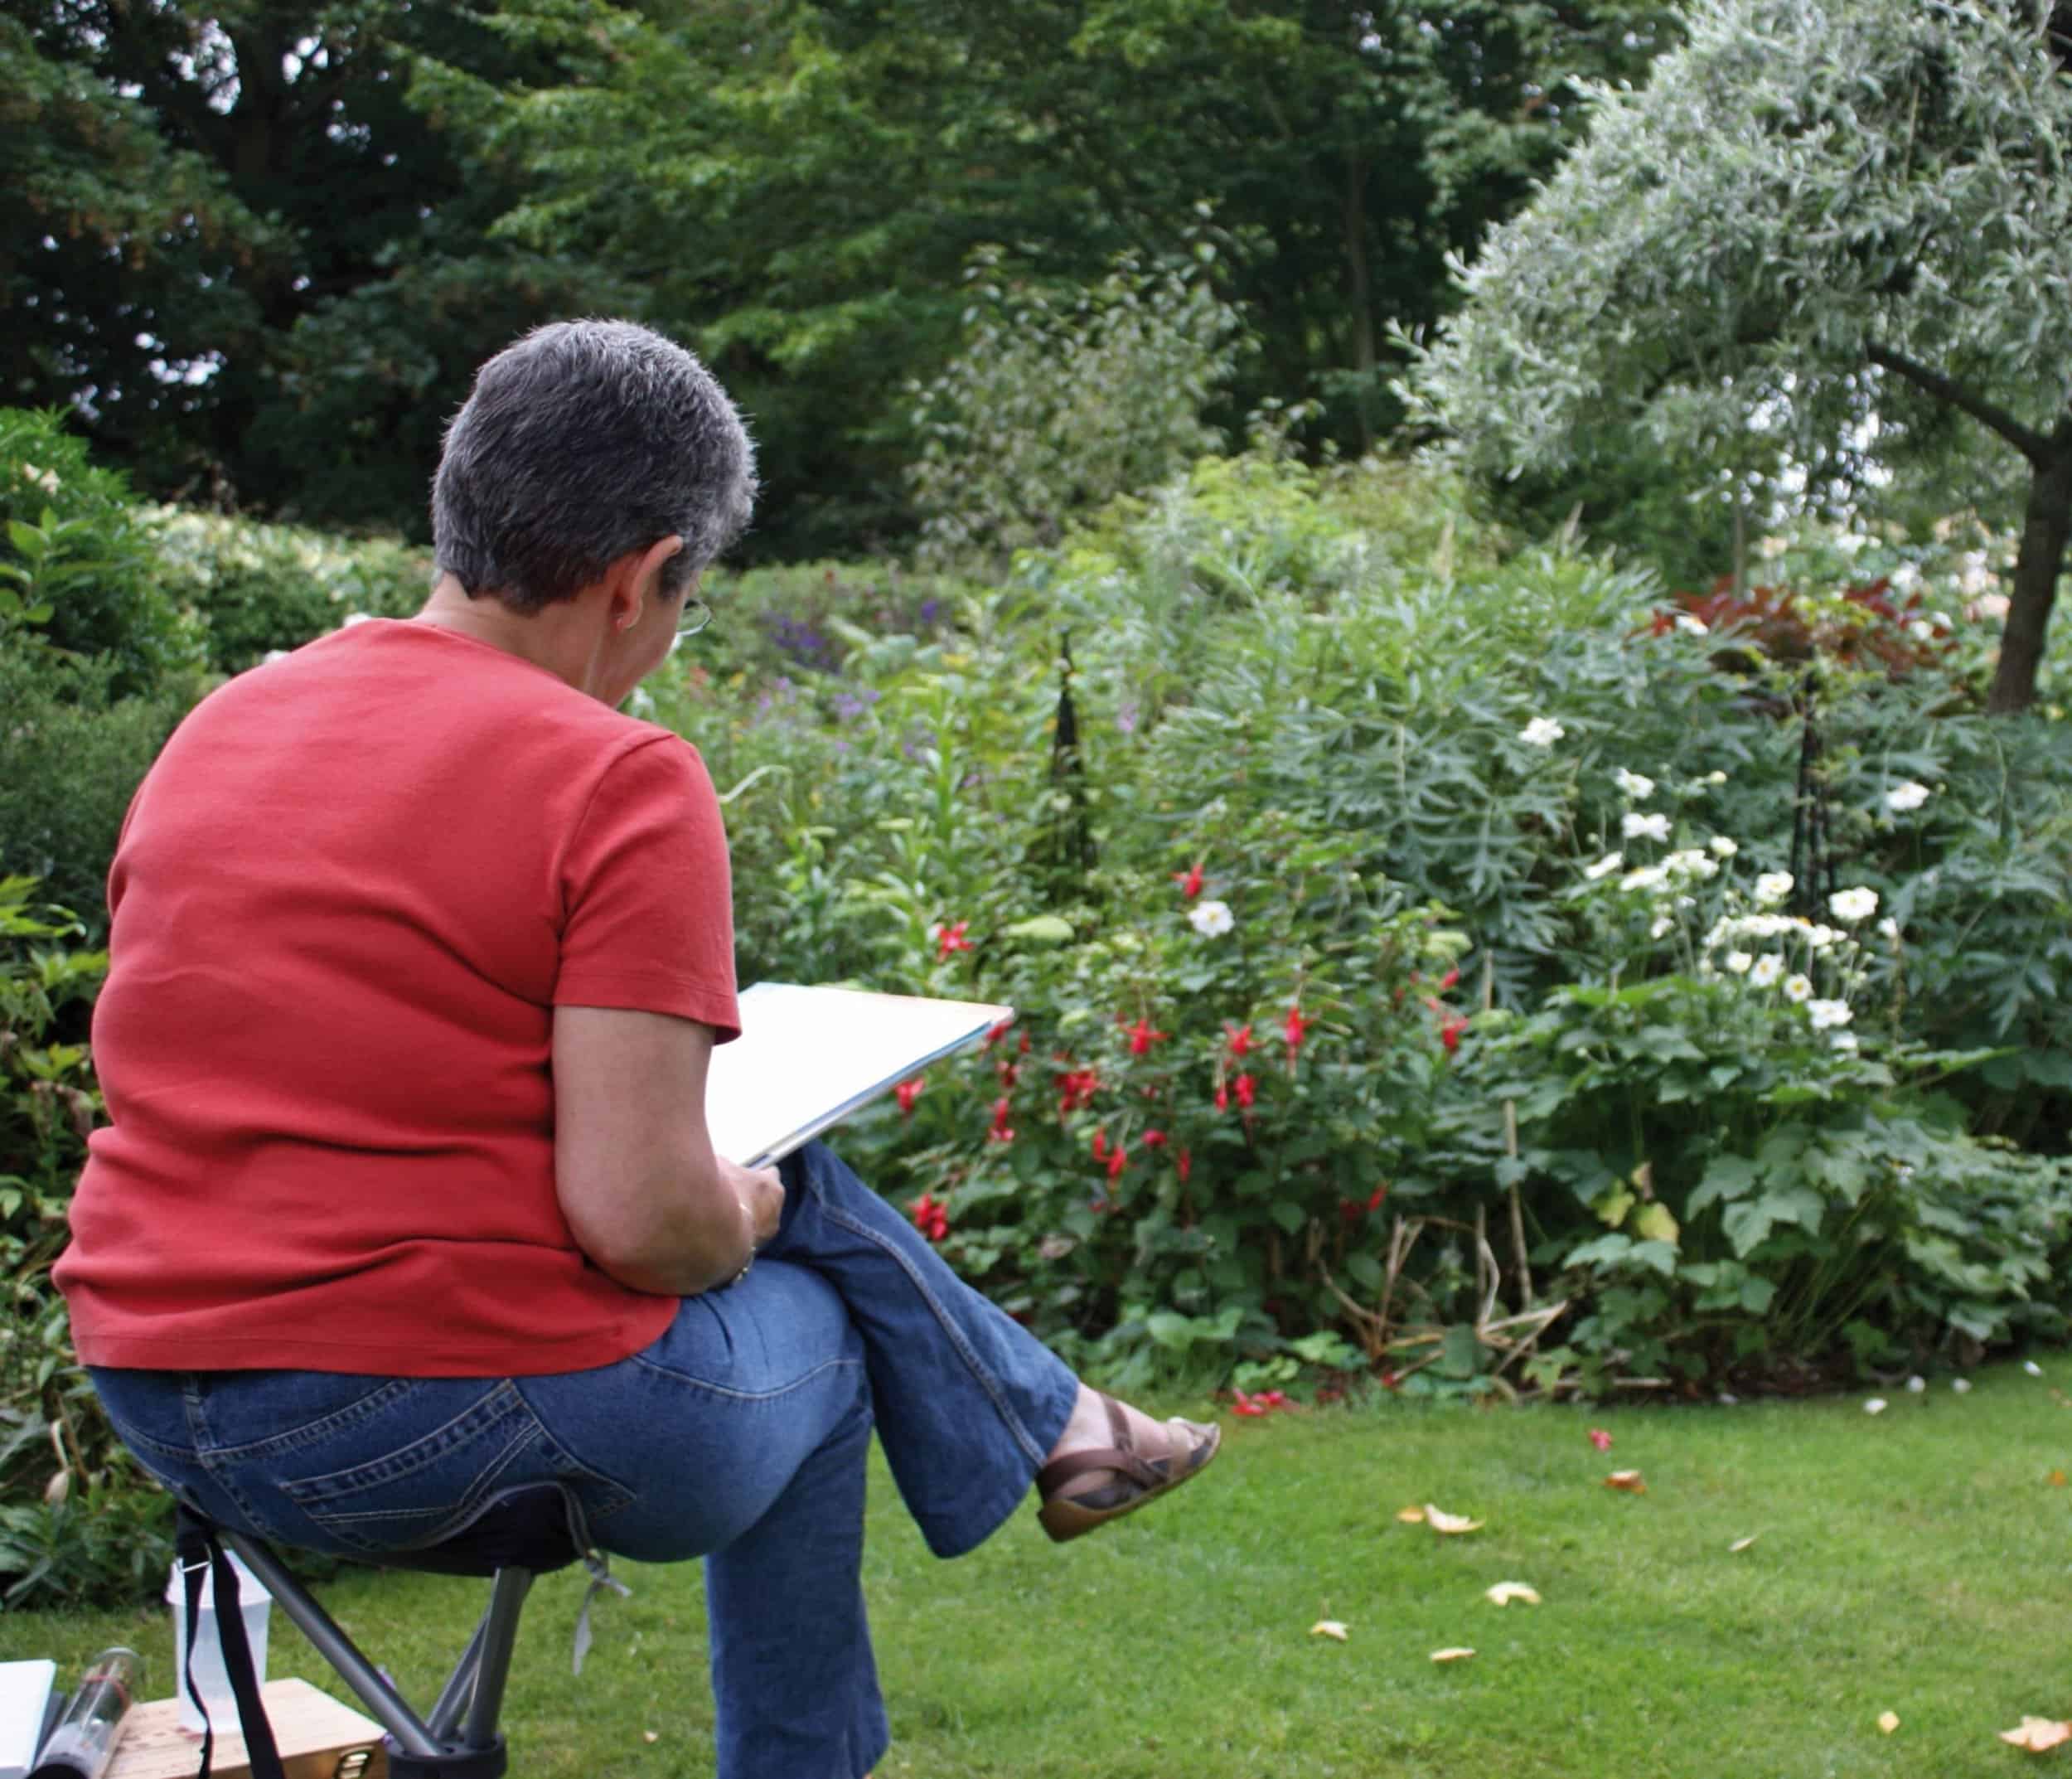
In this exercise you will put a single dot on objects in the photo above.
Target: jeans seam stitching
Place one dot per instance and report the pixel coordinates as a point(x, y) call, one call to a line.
point(972, 1362)
point(689, 1382)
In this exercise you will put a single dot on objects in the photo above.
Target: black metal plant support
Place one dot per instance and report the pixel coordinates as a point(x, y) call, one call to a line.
point(1812, 855)
point(1068, 848)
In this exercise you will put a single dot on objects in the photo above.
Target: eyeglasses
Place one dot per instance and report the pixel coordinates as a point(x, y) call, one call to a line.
point(696, 614)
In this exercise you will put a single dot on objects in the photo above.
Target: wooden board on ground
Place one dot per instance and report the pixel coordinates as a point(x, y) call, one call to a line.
point(318, 1739)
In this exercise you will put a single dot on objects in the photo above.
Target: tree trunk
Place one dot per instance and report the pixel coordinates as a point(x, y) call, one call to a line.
point(2046, 527)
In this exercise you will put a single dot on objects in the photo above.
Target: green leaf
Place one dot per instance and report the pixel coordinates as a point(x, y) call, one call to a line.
point(1728, 1177)
point(1460, 1351)
point(1041, 929)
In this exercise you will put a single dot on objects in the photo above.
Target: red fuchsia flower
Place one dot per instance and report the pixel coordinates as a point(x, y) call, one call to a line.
point(930, 1218)
point(1450, 1030)
point(1022, 1049)
point(1076, 1089)
point(1238, 1038)
point(1100, 1146)
point(951, 939)
point(993, 1034)
point(1390, 1380)
point(1265, 1403)
point(1117, 1161)
point(1222, 1097)
point(1155, 1139)
point(1245, 1087)
point(1142, 1037)
point(1600, 1439)
point(1008, 1072)
point(1292, 1028)
point(1190, 880)
point(1002, 1132)
point(1451, 979)
point(1183, 1164)
point(1351, 1210)
point(907, 1093)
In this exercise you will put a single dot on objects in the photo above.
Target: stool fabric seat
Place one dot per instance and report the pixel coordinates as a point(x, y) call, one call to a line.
point(534, 1527)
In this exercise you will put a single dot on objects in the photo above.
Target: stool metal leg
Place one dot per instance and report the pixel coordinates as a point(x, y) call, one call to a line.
point(499, 1637)
point(460, 1685)
point(411, 1732)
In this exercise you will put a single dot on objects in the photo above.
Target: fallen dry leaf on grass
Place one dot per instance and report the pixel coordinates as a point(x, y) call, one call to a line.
point(2057, 1479)
point(1740, 1544)
point(1328, 1627)
point(1410, 1516)
point(2038, 1734)
point(1504, 1593)
point(1627, 1480)
point(1888, 1721)
point(1451, 1654)
point(1446, 1524)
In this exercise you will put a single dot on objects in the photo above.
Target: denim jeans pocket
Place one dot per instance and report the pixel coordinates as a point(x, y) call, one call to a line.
point(421, 1483)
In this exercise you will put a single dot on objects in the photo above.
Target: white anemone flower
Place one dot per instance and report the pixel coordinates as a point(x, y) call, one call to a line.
point(1739, 963)
point(1636, 827)
point(1662, 925)
point(1853, 905)
point(1772, 887)
point(1821, 938)
point(1604, 866)
point(1691, 862)
point(1766, 970)
point(1647, 877)
point(1722, 847)
point(1636, 785)
point(1826, 1015)
point(1797, 988)
point(1210, 919)
point(1889, 929)
point(1542, 732)
point(1843, 1040)
point(1902, 797)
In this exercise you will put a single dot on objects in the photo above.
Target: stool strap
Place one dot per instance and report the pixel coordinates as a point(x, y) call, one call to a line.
point(200, 1550)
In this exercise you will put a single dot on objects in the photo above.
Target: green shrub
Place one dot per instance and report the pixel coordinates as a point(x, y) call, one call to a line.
point(1351, 709)
point(1060, 400)
point(259, 588)
point(71, 757)
point(76, 540)
point(82, 1524)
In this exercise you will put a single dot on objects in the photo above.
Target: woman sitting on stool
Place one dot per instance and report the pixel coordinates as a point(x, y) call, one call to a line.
point(419, 950)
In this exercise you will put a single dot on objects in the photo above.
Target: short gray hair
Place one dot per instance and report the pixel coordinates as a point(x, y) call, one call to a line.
point(582, 441)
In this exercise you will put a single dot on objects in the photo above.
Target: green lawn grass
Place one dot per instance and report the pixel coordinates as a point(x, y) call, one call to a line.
point(1916, 1561)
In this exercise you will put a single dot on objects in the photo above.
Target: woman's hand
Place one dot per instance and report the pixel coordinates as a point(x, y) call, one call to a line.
point(762, 1194)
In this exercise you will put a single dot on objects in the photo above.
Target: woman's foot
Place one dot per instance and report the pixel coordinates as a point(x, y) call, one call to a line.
point(1111, 1459)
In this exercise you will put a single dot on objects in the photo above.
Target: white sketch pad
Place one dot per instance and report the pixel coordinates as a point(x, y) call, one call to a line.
point(808, 1058)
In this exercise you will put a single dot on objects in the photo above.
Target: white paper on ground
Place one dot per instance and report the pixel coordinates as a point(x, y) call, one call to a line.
point(24, 1697)
point(808, 1058)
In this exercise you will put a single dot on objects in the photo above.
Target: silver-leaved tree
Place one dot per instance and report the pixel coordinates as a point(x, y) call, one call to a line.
point(1845, 223)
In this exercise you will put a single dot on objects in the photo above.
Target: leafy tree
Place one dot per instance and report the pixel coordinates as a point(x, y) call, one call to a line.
point(232, 239)
point(1847, 223)
point(797, 186)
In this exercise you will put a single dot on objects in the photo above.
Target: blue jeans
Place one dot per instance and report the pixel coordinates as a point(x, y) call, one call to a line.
point(739, 1435)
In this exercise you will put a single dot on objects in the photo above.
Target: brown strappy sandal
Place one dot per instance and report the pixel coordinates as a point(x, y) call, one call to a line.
point(1137, 1479)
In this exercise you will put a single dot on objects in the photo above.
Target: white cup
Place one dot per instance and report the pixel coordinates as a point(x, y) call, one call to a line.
point(254, 1603)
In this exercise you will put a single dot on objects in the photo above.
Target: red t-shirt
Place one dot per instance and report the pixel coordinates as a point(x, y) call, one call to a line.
point(347, 900)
